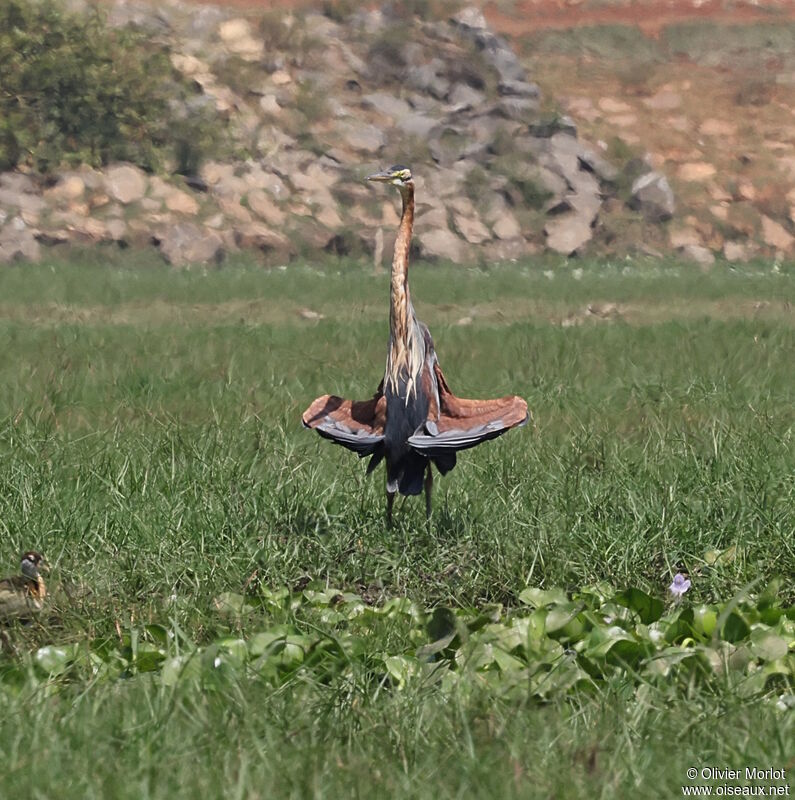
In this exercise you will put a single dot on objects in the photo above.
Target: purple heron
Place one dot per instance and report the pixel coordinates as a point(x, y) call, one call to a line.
point(413, 420)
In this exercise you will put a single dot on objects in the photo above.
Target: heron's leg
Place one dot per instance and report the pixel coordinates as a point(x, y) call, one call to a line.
point(428, 489)
point(390, 499)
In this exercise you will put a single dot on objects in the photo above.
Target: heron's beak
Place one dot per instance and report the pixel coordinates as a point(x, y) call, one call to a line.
point(380, 177)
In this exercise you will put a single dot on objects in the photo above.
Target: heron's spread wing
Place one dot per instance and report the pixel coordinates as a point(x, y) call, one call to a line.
point(355, 424)
point(461, 423)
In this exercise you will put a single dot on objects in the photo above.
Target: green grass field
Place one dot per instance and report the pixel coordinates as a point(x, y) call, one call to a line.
point(151, 447)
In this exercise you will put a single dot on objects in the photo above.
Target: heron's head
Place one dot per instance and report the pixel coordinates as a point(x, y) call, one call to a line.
point(398, 175)
point(32, 563)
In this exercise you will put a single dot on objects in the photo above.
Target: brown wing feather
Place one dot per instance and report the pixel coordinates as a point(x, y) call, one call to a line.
point(460, 424)
point(355, 424)
point(456, 412)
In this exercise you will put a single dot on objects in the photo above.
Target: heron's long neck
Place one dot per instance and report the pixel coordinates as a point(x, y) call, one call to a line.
point(400, 301)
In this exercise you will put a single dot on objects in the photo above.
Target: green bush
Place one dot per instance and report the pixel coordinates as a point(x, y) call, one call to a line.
point(73, 90)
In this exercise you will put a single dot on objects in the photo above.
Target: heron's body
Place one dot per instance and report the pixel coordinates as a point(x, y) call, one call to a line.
point(413, 419)
point(23, 595)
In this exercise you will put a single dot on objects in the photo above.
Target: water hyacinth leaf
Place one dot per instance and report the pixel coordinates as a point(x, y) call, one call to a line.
point(767, 645)
point(489, 615)
point(734, 628)
point(541, 598)
point(740, 658)
point(704, 621)
point(776, 673)
point(401, 669)
point(536, 630)
point(184, 668)
point(476, 655)
point(567, 675)
point(148, 657)
point(663, 663)
point(596, 595)
point(561, 615)
point(772, 615)
point(232, 604)
point(262, 641)
point(575, 628)
point(618, 648)
point(398, 606)
point(442, 623)
point(680, 627)
point(769, 598)
point(719, 557)
point(52, 660)
point(236, 648)
point(648, 608)
point(510, 638)
point(443, 629)
point(159, 633)
point(506, 662)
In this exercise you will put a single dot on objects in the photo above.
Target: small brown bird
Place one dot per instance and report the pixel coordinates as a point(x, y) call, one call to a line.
point(23, 595)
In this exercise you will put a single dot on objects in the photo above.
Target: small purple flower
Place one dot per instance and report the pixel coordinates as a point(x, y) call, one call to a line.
point(680, 585)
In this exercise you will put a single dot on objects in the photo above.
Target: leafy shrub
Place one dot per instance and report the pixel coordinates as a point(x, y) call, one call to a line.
point(74, 91)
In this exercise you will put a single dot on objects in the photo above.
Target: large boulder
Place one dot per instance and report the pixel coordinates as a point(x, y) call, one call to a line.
point(18, 243)
point(776, 235)
point(427, 78)
point(568, 233)
point(441, 243)
point(653, 197)
point(699, 254)
point(181, 202)
point(20, 193)
point(185, 243)
point(259, 235)
point(240, 39)
point(471, 228)
point(125, 183)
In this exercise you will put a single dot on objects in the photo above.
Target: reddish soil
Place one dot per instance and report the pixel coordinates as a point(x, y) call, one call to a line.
point(651, 16)
point(526, 16)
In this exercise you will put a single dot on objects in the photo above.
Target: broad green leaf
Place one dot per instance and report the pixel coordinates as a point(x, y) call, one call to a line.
point(236, 648)
point(443, 628)
point(186, 667)
point(561, 615)
point(716, 557)
point(704, 621)
point(648, 608)
point(680, 626)
point(540, 598)
point(159, 633)
point(767, 645)
point(53, 660)
point(734, 628)
point(770, 597)
point(401, 668)
point(232, 604)
point(148, 657)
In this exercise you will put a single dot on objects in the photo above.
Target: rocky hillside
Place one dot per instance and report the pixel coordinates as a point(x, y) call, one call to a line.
point(312, 103)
